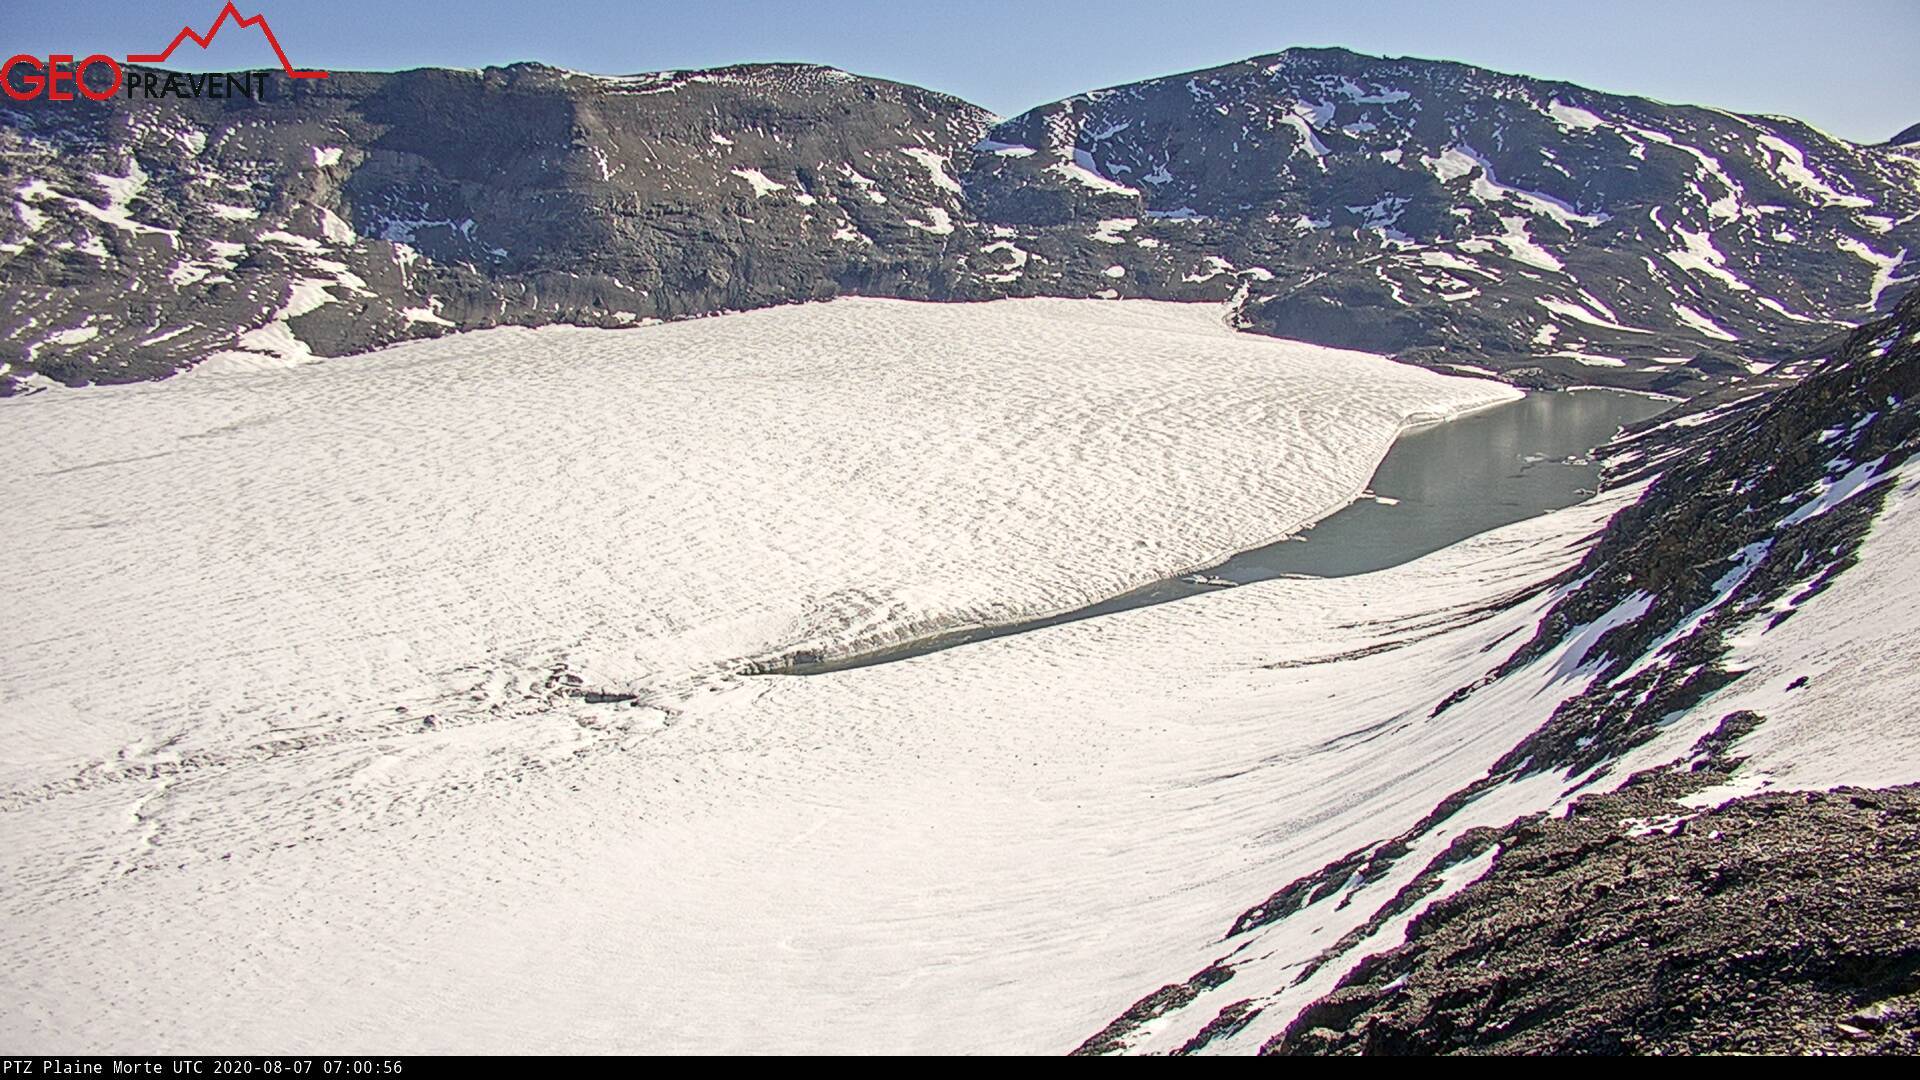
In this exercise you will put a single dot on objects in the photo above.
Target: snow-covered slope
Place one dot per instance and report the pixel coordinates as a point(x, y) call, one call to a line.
point(390, 702)
point(1744, 625)
point(386, 704)
point(462, 527)
point(987, 848)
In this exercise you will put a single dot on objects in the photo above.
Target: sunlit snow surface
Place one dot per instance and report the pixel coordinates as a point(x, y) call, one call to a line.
point(294, 753)
point(1837, 682)
point(442, 526)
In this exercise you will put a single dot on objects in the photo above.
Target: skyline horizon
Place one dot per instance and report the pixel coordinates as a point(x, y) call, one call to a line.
point(801, 62)
point(1009, 59)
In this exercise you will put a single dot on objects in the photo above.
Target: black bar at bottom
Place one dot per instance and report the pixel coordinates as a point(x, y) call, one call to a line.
point(273, 1067)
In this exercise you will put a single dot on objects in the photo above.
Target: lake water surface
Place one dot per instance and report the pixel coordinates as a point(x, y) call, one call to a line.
point(1437, 486)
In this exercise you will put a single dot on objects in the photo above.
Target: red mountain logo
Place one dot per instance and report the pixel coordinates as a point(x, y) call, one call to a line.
point(59, 77)
point(203, 40)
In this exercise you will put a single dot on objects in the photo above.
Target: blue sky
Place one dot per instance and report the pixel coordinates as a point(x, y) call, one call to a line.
point(1846, 65)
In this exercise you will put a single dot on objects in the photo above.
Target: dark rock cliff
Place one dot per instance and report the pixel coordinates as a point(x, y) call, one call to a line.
point(1435, 211)
point(1758, 504)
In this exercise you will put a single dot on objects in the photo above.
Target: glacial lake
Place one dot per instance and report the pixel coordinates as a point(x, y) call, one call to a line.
point(1438, 485)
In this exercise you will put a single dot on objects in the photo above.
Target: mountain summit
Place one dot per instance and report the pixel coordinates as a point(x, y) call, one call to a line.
point(1437, 211)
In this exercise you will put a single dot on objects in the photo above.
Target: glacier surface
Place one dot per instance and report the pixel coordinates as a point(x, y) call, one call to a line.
point(391, 703)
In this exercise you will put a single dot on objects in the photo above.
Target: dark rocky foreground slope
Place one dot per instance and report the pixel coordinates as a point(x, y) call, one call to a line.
point(1781, 924)
point(1636, 923)
point(1441, 212)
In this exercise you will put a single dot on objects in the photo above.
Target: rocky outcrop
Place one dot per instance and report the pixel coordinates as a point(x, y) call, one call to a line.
point(1435, 211)
point(1415, 206)
point(333, 217)
point(1775, 923)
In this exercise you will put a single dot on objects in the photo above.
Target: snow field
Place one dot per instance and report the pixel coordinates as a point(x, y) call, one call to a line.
point(998, 847)
point(297, 749)
point(291, 768)
point(1856, 645)
point(444, 526)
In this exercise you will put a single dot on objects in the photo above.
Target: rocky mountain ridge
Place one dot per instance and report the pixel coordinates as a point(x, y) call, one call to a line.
point(1442, 213)
point(1753, 510)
